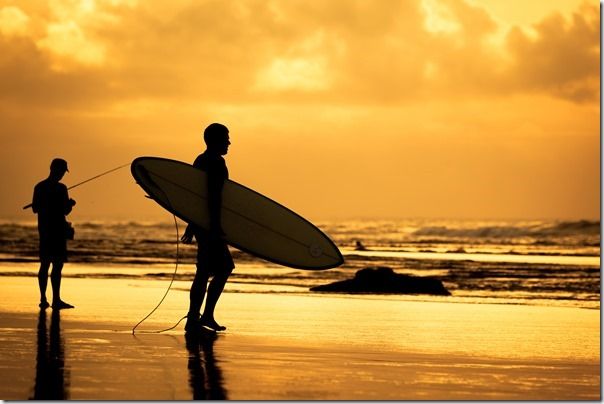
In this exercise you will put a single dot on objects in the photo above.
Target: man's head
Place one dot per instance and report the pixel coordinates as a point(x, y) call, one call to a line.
point(216, 137)
point(58, 167)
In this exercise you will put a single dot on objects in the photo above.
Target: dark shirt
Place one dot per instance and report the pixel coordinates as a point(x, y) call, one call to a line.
point(216, 169)
point(51, 203)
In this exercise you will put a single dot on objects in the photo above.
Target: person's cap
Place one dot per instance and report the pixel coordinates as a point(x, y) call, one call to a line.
point(58, 164)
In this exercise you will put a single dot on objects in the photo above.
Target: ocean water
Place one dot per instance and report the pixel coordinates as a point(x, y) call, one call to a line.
point(508, 262)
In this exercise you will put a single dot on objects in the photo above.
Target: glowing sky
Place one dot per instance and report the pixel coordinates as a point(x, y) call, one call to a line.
point(338, 108)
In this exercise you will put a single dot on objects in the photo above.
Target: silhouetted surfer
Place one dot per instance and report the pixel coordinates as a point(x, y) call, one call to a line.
point(52, 203)
point(213, 256)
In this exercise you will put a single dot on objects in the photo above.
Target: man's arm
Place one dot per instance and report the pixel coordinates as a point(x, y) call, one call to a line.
point(67, 202)
point(35, 200)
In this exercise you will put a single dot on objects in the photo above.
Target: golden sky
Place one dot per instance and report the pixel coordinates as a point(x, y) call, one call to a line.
point(337, 109)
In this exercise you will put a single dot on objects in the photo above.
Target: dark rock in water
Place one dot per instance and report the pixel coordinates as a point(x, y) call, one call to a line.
point(385, 280)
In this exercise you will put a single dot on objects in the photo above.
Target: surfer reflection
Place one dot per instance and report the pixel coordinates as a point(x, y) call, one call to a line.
point(213, 256)
point(205, 377)
point(52, 378)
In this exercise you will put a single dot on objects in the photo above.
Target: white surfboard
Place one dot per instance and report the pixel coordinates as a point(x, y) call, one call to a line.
point(251, 222)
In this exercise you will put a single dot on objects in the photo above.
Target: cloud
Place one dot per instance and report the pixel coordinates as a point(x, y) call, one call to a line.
point(462, 63)
point(438, 17)
point(563, 59)
point(13, 21)
point(294, 74)
point(426, 101)
point(29, 80)
point(68, 40)
point(558, 58)
point(92, 53)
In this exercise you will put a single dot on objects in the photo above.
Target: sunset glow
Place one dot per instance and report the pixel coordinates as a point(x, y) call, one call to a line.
point(419, 108)
point(436, 171)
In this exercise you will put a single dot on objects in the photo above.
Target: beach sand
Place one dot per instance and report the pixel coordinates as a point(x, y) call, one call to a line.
point(291, 346)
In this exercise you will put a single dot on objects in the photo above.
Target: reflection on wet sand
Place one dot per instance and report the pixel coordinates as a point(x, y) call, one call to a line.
point(52, 377)
point(205, 377)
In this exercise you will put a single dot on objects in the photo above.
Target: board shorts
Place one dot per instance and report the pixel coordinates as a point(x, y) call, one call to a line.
point(213, 255)
point(53, 246)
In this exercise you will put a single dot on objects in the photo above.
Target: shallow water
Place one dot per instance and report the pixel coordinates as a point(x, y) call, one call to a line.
point(518, 262)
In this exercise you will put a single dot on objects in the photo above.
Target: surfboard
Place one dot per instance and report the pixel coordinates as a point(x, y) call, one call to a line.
point(251, 221)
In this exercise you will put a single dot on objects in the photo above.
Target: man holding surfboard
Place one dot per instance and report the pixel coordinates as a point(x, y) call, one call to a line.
point(213, 256)
point(52, 203)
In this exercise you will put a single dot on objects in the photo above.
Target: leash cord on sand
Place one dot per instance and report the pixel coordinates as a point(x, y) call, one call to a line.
point(167, 290)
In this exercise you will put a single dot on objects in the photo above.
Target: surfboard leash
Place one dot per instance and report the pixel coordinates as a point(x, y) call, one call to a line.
point(167, 290)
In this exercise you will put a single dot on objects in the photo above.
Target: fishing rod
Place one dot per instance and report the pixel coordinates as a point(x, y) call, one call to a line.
point(88, 180)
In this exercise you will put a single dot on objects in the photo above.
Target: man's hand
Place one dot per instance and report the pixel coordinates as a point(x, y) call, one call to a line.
point(187, 238)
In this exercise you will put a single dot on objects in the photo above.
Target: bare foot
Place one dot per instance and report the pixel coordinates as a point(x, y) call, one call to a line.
point(211, 323)
point(61, 305)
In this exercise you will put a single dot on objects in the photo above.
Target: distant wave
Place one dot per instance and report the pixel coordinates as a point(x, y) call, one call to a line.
point(151, 242)
point(582, 227)
point(145, 250)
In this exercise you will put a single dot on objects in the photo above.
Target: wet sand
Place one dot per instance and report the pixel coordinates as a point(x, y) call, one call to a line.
point(291, 346)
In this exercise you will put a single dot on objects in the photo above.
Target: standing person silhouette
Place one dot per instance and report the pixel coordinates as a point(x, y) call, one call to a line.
point(52, 203)
point(213, 256)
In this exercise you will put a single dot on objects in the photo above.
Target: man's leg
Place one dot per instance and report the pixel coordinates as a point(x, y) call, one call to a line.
point(43, 282)
point(196, 296)
point(55, 279)
point(214, 291)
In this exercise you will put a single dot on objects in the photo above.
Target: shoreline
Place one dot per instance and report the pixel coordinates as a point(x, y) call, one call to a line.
point(258, 278)
point(299, 347)
point(553, 258)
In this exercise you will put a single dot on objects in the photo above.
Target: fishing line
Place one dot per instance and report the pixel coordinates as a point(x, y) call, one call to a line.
point(97, 176)
point(90, 179)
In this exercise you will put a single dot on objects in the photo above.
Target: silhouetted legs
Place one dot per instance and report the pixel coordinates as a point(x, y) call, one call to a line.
point(214, 291)
point(197, 295)
point(198, 292)
point(55, 280)
point(43, 282)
